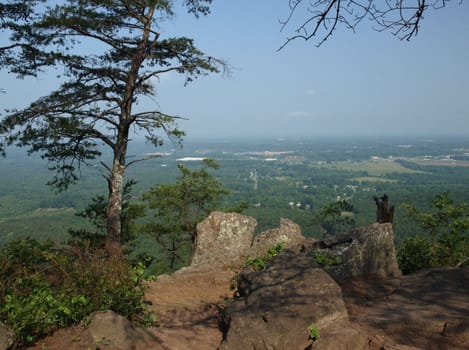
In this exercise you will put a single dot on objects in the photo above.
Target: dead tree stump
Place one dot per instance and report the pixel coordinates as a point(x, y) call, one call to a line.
point(384, 212)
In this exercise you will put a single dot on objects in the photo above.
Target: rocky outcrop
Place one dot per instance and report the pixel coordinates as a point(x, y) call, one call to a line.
point(225, 240)
point(278, 305)
point(288, 234)
point(298, 288)
point(6, 337)
point(427, 310)
point(112, 330)
point(364, 251)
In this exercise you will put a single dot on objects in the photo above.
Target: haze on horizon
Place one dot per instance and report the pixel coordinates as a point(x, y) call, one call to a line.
point(362, 84)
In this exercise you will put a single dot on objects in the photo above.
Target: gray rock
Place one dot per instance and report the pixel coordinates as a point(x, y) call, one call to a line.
point(281, 302)
point(364, 251)
point(7, 337)
point(113, 331)
point(288, 234)
point(296, 289)
point(223, 240)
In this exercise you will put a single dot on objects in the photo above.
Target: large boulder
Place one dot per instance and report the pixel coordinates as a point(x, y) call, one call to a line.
point(112, 330)
point(223, 240)
point(364, 251)
point(7, 338)
point(278, 304)
point(288, 235)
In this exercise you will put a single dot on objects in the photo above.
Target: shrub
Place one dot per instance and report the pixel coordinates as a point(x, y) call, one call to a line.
point(414, 253)
point(446, 240)
point(45, 287)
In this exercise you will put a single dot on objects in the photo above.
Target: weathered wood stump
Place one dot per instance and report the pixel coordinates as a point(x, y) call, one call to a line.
point(384, 212)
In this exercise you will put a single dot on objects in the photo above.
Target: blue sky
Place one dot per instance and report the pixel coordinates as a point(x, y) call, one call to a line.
point(356, 84)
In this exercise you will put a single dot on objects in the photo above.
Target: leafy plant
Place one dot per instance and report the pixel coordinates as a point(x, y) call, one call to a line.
point(414, 253)
point(325, 260)
point(313, 331)
point(44, 287)
point(446, 242)
point(96, 211)
point(260, 263)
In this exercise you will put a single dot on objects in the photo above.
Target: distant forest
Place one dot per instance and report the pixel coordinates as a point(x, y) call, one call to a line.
point(274, 178)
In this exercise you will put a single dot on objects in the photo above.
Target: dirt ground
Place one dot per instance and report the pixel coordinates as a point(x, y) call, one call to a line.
point(428, 310)
point(187, 306)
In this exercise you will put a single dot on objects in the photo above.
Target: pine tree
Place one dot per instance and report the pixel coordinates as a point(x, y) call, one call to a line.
point(110, 52)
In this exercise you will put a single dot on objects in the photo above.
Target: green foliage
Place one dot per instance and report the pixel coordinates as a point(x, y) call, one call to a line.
point(22, 191)
point(313, 331)
point(91, 107)
point(260, 263)
point(96, 214)
point(446, 242)
point(179, 207)
point(325, 260)
point(97, 88)
point(44, 287)
point(414, 253)
point(336, 217)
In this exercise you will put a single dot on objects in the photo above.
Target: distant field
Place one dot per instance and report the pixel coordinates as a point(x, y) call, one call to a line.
point(374, 168)
point(438, 162)
point(373, 179)
point(54, 221)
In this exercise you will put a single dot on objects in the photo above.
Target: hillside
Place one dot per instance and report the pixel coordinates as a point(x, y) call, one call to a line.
point(426, 310)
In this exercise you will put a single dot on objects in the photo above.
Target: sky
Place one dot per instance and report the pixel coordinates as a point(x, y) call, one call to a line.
point(365, 83)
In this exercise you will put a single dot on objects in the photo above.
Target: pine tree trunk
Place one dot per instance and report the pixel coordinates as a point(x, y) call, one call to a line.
point(116, 185)
point(114, 211)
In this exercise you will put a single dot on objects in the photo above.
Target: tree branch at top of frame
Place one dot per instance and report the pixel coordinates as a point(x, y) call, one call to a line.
point(319, 19)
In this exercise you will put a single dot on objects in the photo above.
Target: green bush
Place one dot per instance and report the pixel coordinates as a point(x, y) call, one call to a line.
point(446, 239)
point(414, 253)
point(44, 287)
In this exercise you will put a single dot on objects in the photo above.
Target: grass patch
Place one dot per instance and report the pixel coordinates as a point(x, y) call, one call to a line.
point(438, 162)
point(52, 223)
point(373, 179)
point(374, 168)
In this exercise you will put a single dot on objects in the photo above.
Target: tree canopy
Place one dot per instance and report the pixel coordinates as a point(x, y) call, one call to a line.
point(180, 206)
point(107, 56)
